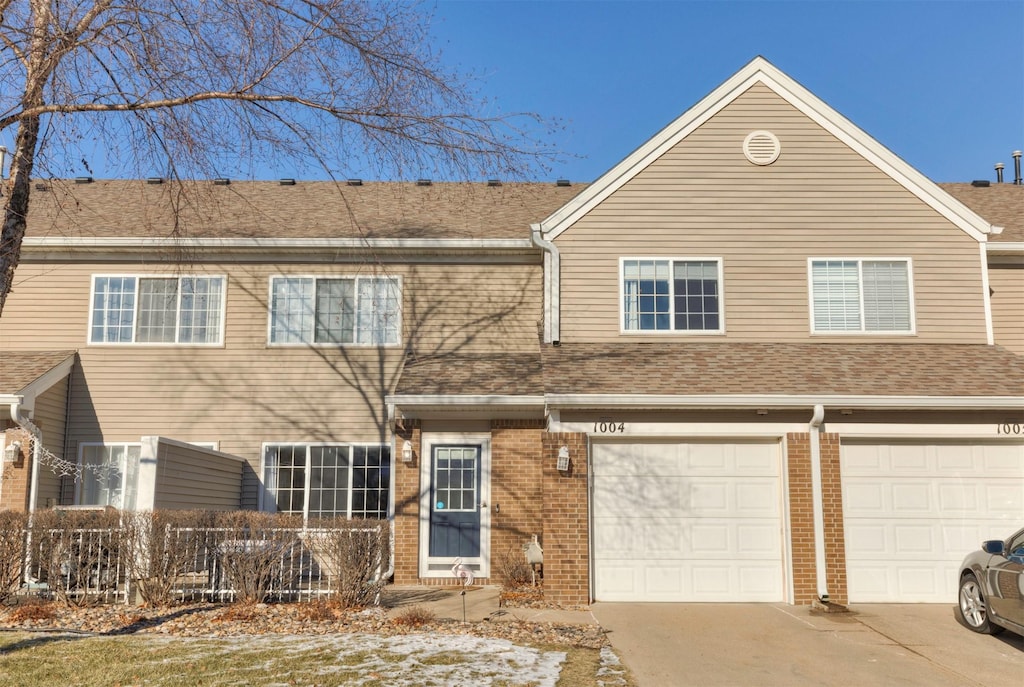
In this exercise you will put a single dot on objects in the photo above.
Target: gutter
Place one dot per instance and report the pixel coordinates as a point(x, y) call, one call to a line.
point(552, 285)
point(641, 401)
point(817, 502)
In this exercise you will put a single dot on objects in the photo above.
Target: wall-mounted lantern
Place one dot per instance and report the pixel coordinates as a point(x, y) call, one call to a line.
point(407, 451)
point(563, 459)
point(12, 452)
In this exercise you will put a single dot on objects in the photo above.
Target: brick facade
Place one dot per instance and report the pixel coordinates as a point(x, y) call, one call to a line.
point(517, 495)
point(407, 505)
point(801, 518)
point(17, 476)
point(566, 538)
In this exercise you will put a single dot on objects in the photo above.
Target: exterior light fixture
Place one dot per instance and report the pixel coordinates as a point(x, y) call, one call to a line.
point(12, 452)
point(563, 459)
point(407, 452)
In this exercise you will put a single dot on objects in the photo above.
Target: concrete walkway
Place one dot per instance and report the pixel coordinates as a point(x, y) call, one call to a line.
point(911, 645)
point(776, 644)
point(478, 603)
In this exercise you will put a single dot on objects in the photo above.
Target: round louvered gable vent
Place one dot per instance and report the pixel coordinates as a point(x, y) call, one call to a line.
point(761, 147)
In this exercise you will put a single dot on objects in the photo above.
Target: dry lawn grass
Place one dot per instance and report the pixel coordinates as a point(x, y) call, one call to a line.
point(44, 660)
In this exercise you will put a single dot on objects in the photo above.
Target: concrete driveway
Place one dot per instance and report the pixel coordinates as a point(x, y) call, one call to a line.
point(776, 644)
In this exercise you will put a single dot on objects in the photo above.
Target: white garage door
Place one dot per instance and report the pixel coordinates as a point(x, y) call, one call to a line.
point(913, 510)
point(687, 522)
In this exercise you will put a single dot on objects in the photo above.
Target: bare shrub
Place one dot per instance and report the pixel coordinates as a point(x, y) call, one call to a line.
point(77, 554)
point(414, 616)
point(258, 554)
point(355, 554)
point(12, 552)
point(161, 547)
point(515, 571)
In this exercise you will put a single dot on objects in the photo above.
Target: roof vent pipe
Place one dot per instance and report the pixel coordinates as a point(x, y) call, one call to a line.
point(1016, 167)
point(999, 172)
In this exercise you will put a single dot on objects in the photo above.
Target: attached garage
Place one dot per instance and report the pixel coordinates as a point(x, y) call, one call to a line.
point(912, 510)
point(693, 521)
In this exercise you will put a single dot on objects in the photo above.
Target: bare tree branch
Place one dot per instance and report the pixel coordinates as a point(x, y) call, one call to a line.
point(224, 86)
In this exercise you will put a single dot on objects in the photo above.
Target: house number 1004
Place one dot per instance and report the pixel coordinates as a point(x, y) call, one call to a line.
point(604, 427)
point(1007, 428)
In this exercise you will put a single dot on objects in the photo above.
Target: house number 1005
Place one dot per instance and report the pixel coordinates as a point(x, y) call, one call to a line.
point(604, 427)
point(1007, 428)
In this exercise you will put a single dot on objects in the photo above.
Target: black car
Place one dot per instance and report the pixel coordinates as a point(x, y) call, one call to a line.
point(992, 587)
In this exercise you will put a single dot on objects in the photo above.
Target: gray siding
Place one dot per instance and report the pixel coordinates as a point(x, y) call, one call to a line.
point(188, 477)
point(820, 199)
point(1007, 285)
point(246, 393)
point(49, 416)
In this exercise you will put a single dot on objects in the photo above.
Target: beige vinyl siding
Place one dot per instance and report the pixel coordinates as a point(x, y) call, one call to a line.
point(702, 198)
point(1007, 285)
point(49, 416)
point(245, 393)
point(194, 478)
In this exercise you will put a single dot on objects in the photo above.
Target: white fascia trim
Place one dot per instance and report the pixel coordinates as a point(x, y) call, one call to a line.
point(276, 243)
point(466, 400)
point(1004, 247)
point(760, 70)
point(781, 401)
point(986, 295)
point(28, 395)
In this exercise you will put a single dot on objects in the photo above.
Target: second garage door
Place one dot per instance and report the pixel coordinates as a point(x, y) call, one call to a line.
point(695, 521)
point(912, 510)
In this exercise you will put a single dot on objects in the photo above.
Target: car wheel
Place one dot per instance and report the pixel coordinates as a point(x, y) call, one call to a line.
point(972, 609)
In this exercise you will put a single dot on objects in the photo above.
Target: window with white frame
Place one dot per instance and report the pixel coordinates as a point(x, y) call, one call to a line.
point(109, 475)
point(680, 295)
point(861, 295)
point(176, 310)
point(324, 481)
point(332, 310)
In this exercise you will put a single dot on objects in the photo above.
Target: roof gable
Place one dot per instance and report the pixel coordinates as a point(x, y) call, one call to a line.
point(761, 71)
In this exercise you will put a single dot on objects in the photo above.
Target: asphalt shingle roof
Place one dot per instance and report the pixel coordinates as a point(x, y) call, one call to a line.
point(18, 369)
point(317, 209)
point(510, 374)
point(1000, 204)
point(700, 368)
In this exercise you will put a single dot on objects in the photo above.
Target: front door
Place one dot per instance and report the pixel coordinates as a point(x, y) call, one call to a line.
point(455, 501)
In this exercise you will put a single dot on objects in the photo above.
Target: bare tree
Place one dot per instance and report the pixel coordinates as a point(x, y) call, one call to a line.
point(190, 88)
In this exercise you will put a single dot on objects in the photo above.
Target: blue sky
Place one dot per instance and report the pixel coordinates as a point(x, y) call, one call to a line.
point(941, 84)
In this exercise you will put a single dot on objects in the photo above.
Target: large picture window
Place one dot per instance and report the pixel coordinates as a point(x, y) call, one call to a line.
point(324, 481)
point(672, 295)
point(328, 310)
point(861, 295)
point(169, 310)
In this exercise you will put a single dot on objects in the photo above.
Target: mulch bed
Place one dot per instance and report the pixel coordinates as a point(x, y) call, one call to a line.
point(310, 618)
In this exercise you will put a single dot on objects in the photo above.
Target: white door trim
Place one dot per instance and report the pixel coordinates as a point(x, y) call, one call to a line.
point(441, 566)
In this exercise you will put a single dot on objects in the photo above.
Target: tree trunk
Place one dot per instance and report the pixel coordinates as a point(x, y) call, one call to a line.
point(16, 203)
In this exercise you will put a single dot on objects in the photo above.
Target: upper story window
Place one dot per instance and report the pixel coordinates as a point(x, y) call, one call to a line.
point(861, 295)
point(678, 294)
point(176, 310)
point(331, 310)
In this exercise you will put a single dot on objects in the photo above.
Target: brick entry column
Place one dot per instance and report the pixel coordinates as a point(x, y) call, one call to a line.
point(17, 476)
point(801, 518)
point(566, 540)
point(407, 505)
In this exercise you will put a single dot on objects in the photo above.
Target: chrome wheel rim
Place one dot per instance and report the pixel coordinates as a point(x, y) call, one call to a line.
point(972, 605)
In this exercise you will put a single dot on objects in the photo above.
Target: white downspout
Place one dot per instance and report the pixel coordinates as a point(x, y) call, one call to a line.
point(817, 502)
point(37, 450)
point(552, 286)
